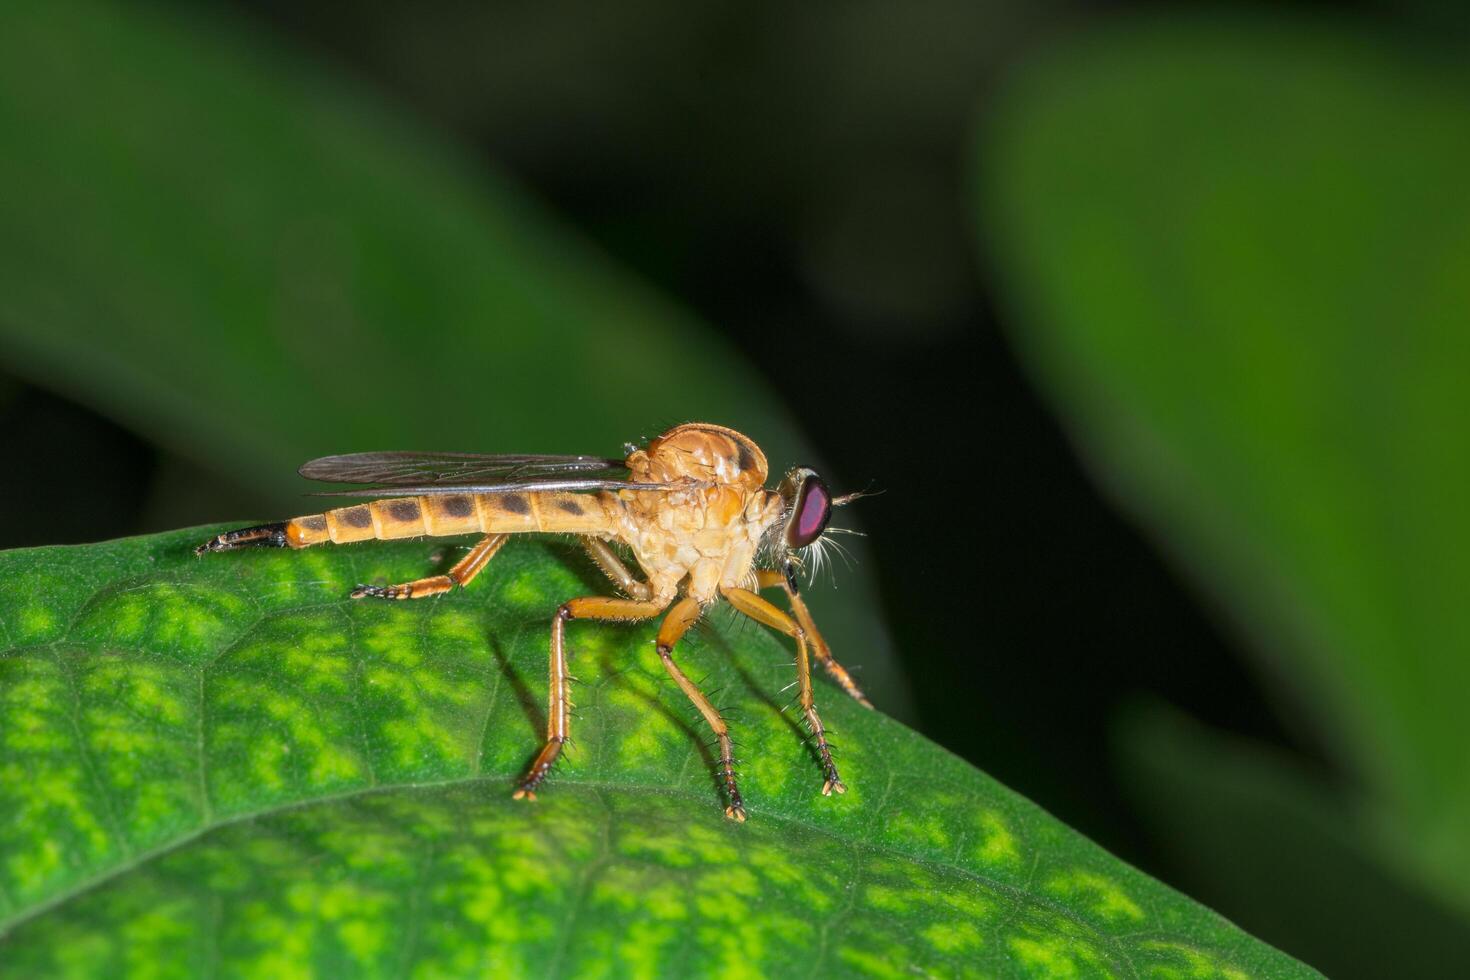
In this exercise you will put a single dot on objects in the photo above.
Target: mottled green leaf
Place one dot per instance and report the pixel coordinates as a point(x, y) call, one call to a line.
point(251, 262)
point(1237, 248)
point(223, 765)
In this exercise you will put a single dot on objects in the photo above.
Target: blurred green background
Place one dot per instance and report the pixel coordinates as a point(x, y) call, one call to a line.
point(1150, 322)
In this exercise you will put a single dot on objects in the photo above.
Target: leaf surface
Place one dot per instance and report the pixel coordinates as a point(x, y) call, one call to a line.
point(224, 765)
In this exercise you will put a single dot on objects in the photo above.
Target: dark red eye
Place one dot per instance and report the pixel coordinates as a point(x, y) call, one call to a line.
point(809, 513)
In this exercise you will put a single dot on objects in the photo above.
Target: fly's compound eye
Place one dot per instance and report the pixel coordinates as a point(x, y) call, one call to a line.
point(811, 508)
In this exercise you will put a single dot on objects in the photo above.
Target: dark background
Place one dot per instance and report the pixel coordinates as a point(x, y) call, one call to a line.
point(792, 176)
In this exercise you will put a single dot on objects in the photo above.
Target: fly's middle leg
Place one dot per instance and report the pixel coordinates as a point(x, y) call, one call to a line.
point(558, 703)
point(684, 615)
point(763, 612)
point(463, 573)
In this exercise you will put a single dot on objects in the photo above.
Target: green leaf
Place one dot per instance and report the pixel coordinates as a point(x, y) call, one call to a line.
point(1238, 248)
point(224, 765)
point(249, 261)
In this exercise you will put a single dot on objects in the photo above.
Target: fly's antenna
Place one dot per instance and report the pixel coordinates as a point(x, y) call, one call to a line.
point(847, 498)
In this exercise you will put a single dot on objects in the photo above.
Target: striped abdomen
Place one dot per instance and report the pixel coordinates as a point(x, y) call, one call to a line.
point(446, 514)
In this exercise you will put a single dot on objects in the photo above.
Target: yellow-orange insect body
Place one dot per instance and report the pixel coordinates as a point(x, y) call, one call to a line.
point(692, 508)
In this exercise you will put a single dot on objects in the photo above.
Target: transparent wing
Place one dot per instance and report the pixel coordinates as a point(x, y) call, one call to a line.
point(391, 474)
point(401, 469)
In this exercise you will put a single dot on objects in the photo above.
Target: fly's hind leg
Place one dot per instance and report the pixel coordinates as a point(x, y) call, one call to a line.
point(763, 612)
point(558, 704)
point(612, 566)
point(463, 573)
point(684, 615)
point(767, 578)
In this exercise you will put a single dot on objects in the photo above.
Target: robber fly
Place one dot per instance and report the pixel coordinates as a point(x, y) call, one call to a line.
point(691, 506)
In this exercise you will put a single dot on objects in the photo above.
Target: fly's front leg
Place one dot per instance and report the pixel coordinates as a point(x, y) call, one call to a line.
point(463, 573)
point(558, 705)
point(763, 612)
point(612, 566)
point(684, 615)
point(767, 578)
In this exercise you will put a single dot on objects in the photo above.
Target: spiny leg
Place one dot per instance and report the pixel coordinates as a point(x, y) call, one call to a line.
point(766, 578)
point(587, 607)
point(463, 573)
point(684, 615)
point(761, 611)
point(612, 566)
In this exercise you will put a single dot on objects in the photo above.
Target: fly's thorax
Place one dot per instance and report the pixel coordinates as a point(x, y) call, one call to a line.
point(696, 533)
point(702, 453)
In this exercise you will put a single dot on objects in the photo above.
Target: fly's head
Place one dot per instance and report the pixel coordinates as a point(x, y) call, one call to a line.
point(806, 511)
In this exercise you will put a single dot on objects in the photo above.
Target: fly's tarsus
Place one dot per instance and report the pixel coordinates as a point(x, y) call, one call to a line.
point(382, 592)
point(736, 810)
point(833, 782)
point(545, 761)
point(463, 573)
